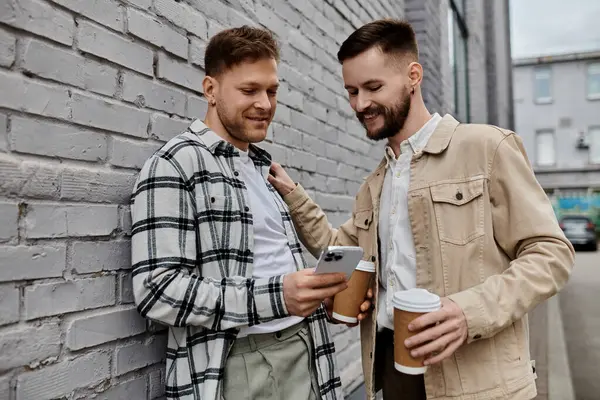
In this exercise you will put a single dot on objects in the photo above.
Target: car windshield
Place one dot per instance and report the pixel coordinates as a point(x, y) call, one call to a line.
point(575, 222)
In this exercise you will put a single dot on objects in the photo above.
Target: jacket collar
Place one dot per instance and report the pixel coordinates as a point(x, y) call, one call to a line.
point(440, 139)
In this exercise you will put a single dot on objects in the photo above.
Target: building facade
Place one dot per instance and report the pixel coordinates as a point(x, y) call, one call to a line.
point(557, 103)
point(90, 89)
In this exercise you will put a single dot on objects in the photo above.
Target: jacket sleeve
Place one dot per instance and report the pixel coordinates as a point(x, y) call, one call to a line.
point(525, 227)
point(314, 231)
point(165, 285)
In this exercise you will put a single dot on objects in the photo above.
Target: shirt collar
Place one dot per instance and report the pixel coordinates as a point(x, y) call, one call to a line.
point(416, 142)
point(219, 146)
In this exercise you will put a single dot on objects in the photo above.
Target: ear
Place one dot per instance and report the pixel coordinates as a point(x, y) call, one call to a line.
point(210, 87)
point(415, 74)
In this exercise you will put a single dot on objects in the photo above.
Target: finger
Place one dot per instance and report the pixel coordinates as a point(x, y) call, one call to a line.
point(271, 179)
point(315, 281)
point(275, 167)
point(365, 306)
point(427, 319)
point(430, 334)
point(328, 303)
point(438, 345)
point(370, 293)
point(323, 293)
point(448, 351)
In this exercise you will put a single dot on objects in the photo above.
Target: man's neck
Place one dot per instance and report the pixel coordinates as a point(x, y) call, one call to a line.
point(213, 121)
point(417, 118)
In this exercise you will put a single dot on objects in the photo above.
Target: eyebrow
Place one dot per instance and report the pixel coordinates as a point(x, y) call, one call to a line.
point(369, 82)
point(256, 84)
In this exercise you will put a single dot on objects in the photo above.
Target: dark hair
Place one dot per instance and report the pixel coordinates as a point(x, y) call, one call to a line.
point(392, 36)
point(233, 46)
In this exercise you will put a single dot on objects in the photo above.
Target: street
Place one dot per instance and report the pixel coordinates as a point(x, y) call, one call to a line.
point(581, 320)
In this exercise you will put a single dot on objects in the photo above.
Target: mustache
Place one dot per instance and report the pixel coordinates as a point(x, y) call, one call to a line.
point(373, 110)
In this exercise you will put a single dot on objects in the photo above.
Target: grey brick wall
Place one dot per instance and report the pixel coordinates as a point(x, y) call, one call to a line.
point(89, 90)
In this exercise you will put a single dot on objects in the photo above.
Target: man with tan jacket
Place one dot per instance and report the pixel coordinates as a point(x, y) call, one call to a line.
point(453, 208)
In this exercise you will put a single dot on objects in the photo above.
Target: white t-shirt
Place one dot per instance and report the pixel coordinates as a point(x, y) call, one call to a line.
point(272, 255)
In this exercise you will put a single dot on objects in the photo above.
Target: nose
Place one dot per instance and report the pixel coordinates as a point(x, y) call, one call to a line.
point(263, 102)
point(362, 103)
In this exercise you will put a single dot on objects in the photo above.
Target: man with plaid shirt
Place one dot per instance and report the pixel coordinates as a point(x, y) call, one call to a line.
point(215, 255)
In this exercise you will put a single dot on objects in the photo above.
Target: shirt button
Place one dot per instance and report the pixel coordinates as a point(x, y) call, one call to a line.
point(236, 173)
point(246, 208)
point(476, 337)
point(248, 252)
point(212, 199)
point(373, 258)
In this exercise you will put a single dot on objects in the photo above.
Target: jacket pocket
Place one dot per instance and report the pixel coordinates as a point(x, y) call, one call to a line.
point(363, 218)
point(459, 210)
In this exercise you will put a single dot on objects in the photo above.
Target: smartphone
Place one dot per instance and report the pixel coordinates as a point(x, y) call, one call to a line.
point(339, 259)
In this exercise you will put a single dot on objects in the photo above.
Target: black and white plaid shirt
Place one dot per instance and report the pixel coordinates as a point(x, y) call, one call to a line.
point(192, 242)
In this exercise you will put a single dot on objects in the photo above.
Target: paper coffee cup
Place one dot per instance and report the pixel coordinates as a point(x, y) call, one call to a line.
point(346, 304)
point(409, 305)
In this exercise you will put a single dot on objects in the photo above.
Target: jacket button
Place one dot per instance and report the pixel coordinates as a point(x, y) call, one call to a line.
point(247, 252)
point(212, 199)
point(459, 196)
point(366, 222)
point(476, 337)
point(278, 335)
point(373, 258)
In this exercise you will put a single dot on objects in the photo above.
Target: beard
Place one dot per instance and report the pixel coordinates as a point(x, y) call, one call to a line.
point(394, 118)
point(239, 128)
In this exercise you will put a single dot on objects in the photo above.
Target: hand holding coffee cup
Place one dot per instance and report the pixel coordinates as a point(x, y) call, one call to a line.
point(408, 306)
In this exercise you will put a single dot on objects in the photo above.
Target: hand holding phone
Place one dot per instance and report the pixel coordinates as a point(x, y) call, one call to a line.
point(343, 259)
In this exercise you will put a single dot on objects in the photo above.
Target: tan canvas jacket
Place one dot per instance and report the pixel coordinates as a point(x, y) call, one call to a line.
point(485, 236)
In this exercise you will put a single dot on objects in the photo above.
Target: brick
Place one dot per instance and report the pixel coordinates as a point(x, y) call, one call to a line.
point(54, 140)
point(314, 181)
point(354, 127)
point(269, 19)
point(278, 153)
point(313, 145)
point(28, 345)
point(197, 51)
point(8, 44)
point(156, 384)
point(96, 40)
point(179, 73)
point(100, 256)
point(138, 355)
point(24, 94)
point(40, 18)
point(283, 114)
point(327, 167)
point(9, 215)
point(51, 62)
point(152, 94)
point(131, 154)
point(157, 33)
point(196, 107)
point(31, 262)
point(287, 136)
point(336, 185)
point(30, 179)
point(5, 388)
point(48, 220)
point(316, 110)
point(211, 9)
point(354, 144)
point(214, 28)
point(343, 106)
point(109, 115)
point(183, 16)
point(290, 14)
point(165, 128)
point(106, 12)
point(300, 42)
point(130, 390)
point(304, 123)
point(96, 186)
point(3, 138)
point(295, 78)
point(290, 97)
point(325, 96)
point(48, 299)
point(236, 18)
point(303, 161)
point(332, 202)
point(335, 119)
point(125, 219)
point(9, 305)
point(65, 377)
point(103, 327)
point(125, 289)
point(145, 4)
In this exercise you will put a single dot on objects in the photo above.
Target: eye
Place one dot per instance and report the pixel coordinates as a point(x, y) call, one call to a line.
point(352, 92)
point(248, 91)
point(374, 88)
point(272, 92)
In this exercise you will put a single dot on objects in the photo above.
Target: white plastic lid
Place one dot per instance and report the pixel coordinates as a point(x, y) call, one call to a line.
point(416, 300)
point(365, 266)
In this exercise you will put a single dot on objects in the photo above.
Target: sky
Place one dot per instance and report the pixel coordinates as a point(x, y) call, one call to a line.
point(547, 27)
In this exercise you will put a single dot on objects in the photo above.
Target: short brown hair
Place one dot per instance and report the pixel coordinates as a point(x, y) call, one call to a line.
point(233, 46)
point(392, 36)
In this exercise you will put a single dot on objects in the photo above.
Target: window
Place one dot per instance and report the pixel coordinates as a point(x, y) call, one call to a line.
point(593, 81)
point(545, 148)
point(594, 137)
point(457, 40)
point(542, 87)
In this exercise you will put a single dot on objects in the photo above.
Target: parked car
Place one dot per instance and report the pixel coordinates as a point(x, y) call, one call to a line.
point(580, 230)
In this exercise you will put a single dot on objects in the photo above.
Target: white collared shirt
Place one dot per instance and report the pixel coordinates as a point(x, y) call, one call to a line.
point(398, 264)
